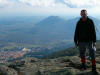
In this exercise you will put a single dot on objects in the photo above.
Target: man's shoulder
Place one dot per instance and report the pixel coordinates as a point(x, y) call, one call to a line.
point(89, 19)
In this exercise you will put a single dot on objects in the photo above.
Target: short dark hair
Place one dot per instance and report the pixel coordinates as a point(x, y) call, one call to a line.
point(83, 10)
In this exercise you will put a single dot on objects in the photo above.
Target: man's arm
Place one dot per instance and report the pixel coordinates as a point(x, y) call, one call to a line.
point(93, 33)
point(76, 34)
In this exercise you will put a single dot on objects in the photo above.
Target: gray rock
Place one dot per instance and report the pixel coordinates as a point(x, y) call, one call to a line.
point(7, 71)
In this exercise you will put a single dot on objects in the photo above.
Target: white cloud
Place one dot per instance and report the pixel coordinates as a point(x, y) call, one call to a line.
point(42, 3)
point(3, 3)
point(38, 2)
point(83, 3)
point(7, 3)
point(52, 3)
point(49, 6)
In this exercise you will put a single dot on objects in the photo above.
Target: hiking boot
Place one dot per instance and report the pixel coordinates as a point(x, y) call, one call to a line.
point(83, 66)
point(94, 70)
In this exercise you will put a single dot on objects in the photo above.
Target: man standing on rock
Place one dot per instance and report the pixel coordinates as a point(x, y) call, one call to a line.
point(85, 37)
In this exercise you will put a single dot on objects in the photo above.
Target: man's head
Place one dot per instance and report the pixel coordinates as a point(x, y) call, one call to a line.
point(83, 13)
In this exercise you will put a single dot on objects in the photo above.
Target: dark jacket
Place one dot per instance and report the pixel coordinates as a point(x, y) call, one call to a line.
point(85, 31)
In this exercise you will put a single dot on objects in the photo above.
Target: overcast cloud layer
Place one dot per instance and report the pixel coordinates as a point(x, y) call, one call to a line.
point(52, 3)
point(46, 5)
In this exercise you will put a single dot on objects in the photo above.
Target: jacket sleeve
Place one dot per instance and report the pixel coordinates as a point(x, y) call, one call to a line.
point(93, 32)
point(76, 33)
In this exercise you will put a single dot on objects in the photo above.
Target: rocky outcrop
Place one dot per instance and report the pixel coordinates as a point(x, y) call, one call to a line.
point(67, 65)
point(4, 70)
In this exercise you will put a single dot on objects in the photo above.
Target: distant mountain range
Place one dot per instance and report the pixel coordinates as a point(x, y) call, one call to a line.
point(52, 31)
point(54, 27)
point(20, 20)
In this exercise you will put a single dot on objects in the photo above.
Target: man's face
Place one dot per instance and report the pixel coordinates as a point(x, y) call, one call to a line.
point(84, 14)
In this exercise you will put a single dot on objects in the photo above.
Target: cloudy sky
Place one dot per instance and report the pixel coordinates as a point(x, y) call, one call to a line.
point(42, 7)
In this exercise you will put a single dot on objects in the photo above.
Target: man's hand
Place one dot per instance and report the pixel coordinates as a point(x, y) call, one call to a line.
point(94, 44)
point(76, 44)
